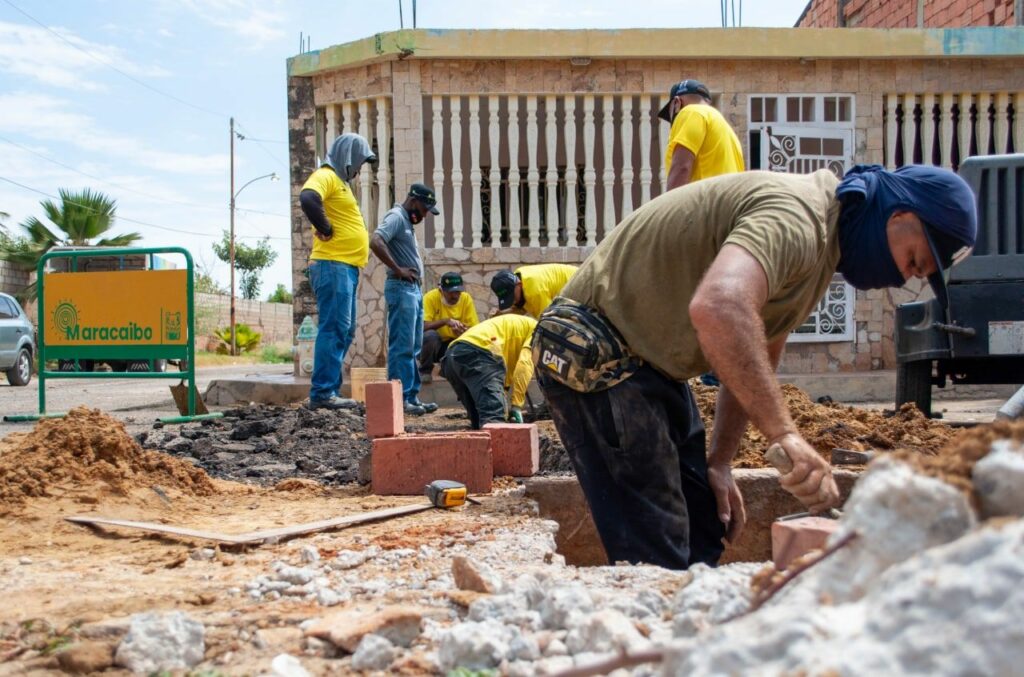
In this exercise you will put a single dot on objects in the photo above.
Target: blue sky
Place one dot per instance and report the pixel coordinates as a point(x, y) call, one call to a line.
point(133, 98)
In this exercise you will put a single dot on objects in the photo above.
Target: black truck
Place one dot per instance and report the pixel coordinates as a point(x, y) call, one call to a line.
point(980, 337)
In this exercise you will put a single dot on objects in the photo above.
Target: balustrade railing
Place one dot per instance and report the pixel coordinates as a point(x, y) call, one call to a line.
point(533, 162)
point(944, 128)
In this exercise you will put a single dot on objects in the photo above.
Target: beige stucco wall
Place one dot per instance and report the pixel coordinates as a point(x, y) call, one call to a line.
point(868, 70)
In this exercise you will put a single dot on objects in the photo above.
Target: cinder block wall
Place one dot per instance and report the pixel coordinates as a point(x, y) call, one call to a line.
point(273, 320)
point(12, 279)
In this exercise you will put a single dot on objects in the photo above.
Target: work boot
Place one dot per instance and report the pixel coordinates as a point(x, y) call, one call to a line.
point(413, 409)
point(333, 403)
point(428, 407)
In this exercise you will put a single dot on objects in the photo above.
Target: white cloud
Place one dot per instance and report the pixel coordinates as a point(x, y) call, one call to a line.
point(37, 54)
point(45, 117)
point(258, 25)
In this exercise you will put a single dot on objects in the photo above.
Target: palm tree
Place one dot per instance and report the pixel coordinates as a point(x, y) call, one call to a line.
point(79, 218)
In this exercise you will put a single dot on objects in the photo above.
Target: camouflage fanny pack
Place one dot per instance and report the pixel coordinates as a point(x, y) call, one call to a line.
point(580, 349)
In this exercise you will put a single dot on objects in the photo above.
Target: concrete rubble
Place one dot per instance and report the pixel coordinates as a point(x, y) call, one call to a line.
point(157, 642)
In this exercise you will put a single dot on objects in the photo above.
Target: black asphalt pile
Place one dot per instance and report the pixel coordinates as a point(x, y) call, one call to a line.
point(263, 444)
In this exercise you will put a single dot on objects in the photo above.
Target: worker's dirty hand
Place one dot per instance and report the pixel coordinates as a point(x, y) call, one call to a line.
point(515, 415)
point(731, 510)
point(456, 326)
point(810, 480)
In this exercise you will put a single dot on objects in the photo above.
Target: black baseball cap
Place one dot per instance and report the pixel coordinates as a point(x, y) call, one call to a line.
point(503, 284)
point(684, 87)
point(452, 282)
point(425, 194)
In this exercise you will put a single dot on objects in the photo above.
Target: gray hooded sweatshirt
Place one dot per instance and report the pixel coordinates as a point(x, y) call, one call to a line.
point(347, 155)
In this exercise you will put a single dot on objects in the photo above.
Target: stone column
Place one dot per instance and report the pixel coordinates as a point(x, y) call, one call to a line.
point(302, 156)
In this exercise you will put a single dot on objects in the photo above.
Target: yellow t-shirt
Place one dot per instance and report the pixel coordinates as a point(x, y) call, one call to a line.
point(504, 336)
point(350, 243)
point(541, 284)
point(434, 308)
point(703, 131)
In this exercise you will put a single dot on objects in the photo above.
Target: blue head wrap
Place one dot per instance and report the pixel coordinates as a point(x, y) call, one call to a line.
point(870, 195)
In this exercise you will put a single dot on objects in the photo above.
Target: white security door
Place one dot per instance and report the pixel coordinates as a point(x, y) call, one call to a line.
point(802, 150)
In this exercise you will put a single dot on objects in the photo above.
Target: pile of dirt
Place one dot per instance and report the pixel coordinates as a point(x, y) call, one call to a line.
point(954, 462)
point(830, 425)
point(88, 450)
point(264, 444)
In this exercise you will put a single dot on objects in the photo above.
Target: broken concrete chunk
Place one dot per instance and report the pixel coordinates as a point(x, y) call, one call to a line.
point(286, 665)
point(474, 646)
point(999, 480)
point(400, 625)
point(309, 554)
point(604, 631)
point(562, 606)
point(155, 642)
point(295, 575)
point(470, 575)
point(86, 657)
point(373, 653)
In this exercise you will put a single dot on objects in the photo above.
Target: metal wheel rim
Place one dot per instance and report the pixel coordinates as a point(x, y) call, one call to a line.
point(24, 368)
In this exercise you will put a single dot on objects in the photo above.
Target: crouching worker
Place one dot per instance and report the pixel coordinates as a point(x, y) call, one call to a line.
point(447, 312)
point(485, 360)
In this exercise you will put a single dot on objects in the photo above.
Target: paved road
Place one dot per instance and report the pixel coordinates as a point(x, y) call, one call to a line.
point(133, 400)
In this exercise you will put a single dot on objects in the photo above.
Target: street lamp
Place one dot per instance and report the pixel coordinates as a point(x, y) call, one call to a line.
point(273, 177)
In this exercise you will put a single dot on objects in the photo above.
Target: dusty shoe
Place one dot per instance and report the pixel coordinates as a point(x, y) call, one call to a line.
point(428, 407)
point(333, 403)
point(413, 409)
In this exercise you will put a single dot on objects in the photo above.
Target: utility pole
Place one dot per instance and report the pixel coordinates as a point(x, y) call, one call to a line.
point(231, 246)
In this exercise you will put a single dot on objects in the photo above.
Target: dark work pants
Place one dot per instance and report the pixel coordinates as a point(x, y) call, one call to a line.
point(478, 379)
point(638, 450)
point(432, 351)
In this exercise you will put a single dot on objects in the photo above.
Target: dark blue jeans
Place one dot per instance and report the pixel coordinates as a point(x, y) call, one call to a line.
point(405, 334)
point(334, 284)
point(638, 450)
point(478, 379)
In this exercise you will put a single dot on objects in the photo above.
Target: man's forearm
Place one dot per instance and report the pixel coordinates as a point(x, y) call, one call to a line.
point(730, 424)
point(380, 249)
point(682, 168)
point(733, 341)
point(434, 324)
point(313, 208)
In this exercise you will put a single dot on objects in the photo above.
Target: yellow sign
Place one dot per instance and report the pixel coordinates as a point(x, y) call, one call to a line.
point(128, 308)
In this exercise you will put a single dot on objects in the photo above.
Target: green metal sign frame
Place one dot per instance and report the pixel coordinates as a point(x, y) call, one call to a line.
point(185, 353)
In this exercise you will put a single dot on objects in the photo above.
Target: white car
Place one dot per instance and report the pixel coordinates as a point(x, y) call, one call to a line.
point(17, 342)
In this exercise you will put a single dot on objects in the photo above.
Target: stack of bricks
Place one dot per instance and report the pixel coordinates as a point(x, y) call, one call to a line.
point(403, 464)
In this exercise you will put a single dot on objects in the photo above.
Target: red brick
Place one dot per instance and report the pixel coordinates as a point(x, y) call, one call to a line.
point(796, 537)
point(515, 448)
point(385, 415)
point(404, 465)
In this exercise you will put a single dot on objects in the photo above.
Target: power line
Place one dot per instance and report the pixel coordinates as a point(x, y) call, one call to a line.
point(133, 190)
point(246, 137)
point(127, 219)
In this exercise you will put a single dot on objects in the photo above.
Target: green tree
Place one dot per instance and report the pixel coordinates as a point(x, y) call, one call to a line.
point(250, 260)
point(280, 295)
point(77, 221)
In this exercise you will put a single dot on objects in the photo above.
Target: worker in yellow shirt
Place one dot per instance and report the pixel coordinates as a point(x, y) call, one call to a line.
point(701, 143)
point(530, 289)
point(341, 247)
point(485, 360)
point(447, 312)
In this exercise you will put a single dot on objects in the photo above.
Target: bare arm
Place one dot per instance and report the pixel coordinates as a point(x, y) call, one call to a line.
point(379, 247)
point(725, 312)
point(682, 167)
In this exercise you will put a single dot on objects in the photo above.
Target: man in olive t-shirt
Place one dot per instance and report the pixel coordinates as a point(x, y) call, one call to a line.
point(716, 274)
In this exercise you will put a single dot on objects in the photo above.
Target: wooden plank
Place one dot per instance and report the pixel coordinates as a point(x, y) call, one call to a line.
point(255, 537)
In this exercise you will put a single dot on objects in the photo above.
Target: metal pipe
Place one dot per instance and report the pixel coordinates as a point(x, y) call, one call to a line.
point(1014, 407)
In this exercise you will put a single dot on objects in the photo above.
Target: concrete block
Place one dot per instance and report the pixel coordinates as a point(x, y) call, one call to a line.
point(561, 499)
point(794, 538)
point(515, 448)
point(385, 415)
point(402, 466)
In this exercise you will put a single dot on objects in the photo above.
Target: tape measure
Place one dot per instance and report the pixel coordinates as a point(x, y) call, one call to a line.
point(447, 494)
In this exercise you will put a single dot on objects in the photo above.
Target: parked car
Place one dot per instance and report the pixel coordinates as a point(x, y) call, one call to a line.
point(17, 342)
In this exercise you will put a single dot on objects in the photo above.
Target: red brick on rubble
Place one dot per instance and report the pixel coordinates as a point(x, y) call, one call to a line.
point(403, 465)
point(515, 448)
point(385, 414)
point(796, 537)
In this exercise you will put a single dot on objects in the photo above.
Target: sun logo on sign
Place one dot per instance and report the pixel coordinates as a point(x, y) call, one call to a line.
point(65, 317)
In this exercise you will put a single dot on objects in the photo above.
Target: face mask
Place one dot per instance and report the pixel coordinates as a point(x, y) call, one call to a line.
point(865, 259)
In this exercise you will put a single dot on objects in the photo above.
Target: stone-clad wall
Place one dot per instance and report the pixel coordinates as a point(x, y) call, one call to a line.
point(732, 80)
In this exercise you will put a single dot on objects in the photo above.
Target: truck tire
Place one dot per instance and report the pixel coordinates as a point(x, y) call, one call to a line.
point(914, 384)
point(21, 373)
